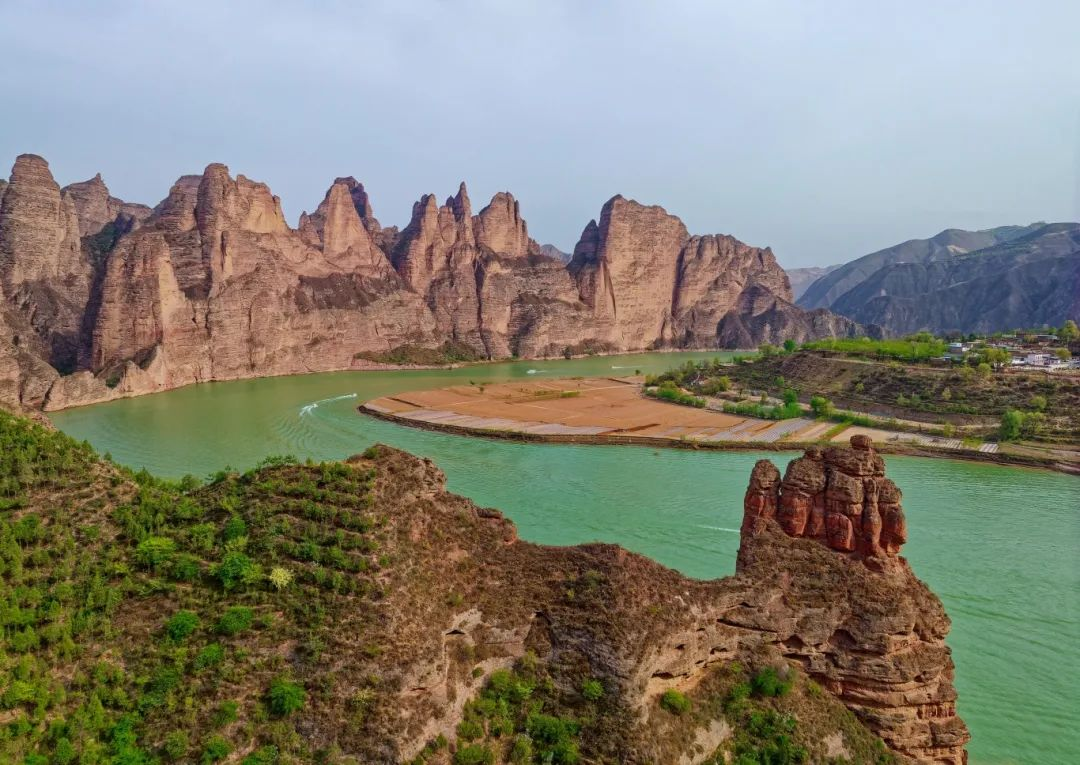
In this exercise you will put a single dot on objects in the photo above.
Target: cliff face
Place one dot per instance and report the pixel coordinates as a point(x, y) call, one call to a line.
point(399, 613)
point(213, 284)
point(874, 635)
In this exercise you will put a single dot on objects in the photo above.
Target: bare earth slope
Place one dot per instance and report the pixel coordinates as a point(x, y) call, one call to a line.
point(213, 284)
point(358, 612)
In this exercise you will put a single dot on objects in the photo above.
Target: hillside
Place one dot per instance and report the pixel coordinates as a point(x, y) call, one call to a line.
point(956, 395)
point(214, 284)
point(802, 278)
point(1029, 281)
point(943, 246)
point(357, 612)
point(961, 281)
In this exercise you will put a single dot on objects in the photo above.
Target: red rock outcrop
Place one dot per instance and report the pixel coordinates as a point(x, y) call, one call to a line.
point(214, 284)
point(825, 541)
point(45, 275)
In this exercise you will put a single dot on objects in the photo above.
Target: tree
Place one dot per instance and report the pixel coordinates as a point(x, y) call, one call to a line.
point(790, 345)
point(766, 350)
point(790, 397)
point(1063, 353)
point(984, 370)
point(1012, 424)
point(1069, 333)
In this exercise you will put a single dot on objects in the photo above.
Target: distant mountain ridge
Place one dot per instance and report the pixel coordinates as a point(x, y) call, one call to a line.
point(969, 281)
point(802, 278)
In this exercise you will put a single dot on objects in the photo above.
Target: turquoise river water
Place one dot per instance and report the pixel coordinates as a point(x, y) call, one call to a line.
point(999, 545)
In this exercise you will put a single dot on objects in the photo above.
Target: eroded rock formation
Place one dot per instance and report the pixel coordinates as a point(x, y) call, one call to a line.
point(820, 586)
point(213, 284)
point(825, 541)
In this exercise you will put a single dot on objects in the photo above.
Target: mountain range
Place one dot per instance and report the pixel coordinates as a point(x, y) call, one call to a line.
point(103, 298)
point(969, 281)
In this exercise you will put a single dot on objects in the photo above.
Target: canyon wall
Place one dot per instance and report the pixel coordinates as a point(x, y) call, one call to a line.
point(820, 587)
point(213, 284)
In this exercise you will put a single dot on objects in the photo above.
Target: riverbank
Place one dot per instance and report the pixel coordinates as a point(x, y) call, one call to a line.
point(612, 411)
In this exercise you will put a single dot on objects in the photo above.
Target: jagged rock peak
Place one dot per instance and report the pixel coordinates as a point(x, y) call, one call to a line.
point(240, 203)
point(838, 496)
point(361, 201)
point(39, 230)
point(459, 204)
point(96, 208)
point(500, 227)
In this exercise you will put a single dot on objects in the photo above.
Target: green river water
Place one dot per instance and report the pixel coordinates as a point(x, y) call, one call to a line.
point(999, 545)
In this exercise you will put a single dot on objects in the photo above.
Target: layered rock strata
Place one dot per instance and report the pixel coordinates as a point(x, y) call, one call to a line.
point(213, 284)
point(844, 605)
point(820, 587)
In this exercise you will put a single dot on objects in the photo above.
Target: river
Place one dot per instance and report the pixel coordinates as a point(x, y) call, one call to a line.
point(999, 545)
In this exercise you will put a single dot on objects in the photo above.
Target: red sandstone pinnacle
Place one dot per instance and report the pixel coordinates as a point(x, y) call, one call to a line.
point(838, 496)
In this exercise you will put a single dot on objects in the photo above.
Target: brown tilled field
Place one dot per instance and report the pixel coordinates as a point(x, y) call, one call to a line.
point(605, 406)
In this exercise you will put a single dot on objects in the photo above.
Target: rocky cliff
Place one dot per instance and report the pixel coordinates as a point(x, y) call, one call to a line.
point(360, 609)
point(213, 284)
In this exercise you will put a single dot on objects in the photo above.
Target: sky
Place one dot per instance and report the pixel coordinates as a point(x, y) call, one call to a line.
point(825, 130)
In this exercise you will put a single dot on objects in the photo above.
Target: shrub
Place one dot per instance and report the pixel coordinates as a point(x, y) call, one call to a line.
point(235, 620)
point(821, 406)
point(210, 656)
point(285, 697)
point(474, 754)
point(553, 737)
point(184, 568)
point(153, 551)
point(592, 690)
point(521, 753)
point(237, 569)
point(265, 755)
point(280, 577)
point(181, 624)
point(768, 683)
point(675, 702)
point(227, 712)
point(215, 750)
point(175, 745)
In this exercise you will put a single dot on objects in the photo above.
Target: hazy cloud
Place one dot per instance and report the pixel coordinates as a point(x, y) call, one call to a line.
point(823, 129)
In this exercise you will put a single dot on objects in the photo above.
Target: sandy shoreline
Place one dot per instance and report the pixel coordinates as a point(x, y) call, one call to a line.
point(611, 411)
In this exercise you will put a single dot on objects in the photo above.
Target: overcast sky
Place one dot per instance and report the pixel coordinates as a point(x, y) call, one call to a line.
point(823, 129)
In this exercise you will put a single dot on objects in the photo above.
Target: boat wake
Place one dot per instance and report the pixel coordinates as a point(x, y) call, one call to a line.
point(718, 528)
point(535, 371)
point(309, 408)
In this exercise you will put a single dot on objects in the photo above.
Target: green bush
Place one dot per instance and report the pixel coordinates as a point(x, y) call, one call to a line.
point(821, 407)
point(235, 620)
point(237, 569)
point(592, 690)
point(181, 624)
point(285, 697)
point(768, 683)
point(226, 712)
point(210, 656)
point(153, 551)
point(215, 750)
point(675, 702)
point(266, 755)
point(176, 745)
point(474, 754)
